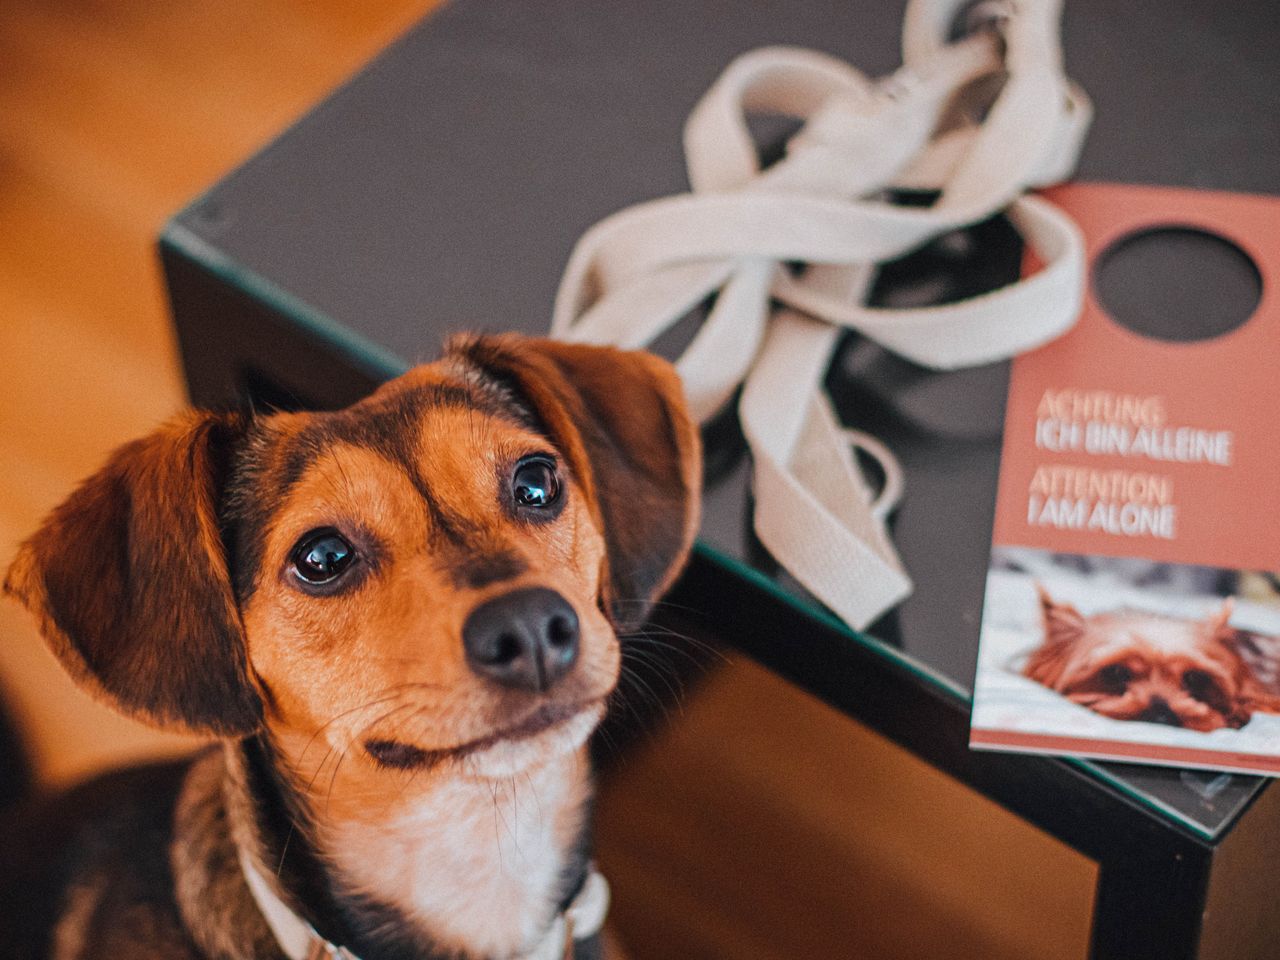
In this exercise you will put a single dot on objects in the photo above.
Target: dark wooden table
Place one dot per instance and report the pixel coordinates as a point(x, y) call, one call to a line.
point(442, 188)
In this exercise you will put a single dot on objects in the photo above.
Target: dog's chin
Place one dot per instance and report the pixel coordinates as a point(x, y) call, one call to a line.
point(552, 731)
point(1205, 722)
point(510, 756)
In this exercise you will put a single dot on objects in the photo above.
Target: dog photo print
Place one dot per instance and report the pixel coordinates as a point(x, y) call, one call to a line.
point(1130, 603)
point(1129, 660)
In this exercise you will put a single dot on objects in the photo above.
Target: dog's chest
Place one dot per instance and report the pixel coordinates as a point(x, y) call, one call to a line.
point(477, 864)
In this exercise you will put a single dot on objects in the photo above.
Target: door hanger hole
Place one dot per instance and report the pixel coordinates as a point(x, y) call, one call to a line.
point(1178, 284)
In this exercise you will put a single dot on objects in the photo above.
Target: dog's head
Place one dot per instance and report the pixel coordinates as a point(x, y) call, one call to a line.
point(1133, 665)
point(435, 573)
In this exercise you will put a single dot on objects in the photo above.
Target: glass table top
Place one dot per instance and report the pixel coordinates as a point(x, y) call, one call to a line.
point(442, 188)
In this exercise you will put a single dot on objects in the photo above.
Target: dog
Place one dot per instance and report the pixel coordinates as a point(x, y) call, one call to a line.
point(401, 622)
point(1133, 665)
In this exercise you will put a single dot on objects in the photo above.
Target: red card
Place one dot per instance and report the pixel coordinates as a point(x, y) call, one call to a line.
point(1129, 610)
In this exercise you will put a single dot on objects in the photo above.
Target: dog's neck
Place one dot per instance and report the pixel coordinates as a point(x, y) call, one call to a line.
point(448, 866)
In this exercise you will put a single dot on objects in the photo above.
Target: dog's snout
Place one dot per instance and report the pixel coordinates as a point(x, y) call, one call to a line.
point(527, 639)
point(1159, 711)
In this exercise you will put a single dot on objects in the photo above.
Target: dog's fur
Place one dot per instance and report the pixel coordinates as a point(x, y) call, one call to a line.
point(401, 802)
point(1133, 665)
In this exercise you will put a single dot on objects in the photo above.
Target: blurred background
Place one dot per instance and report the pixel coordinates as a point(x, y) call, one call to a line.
point(721, 838)
point(113, 115)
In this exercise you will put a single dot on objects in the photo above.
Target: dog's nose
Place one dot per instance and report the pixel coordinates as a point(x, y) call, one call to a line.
point(1159, 711)
point(526, 639)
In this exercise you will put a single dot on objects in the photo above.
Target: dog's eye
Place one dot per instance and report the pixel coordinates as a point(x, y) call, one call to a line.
point(535, 483)
point(1200, 685)
point(322, 556)
point(1115, 677)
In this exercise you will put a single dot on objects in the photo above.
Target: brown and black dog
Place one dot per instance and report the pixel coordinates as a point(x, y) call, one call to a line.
point(1126, 664)
point(400, 619)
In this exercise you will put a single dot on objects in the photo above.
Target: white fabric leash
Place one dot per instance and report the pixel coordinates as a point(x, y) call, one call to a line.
point(637, 272)
point(299, 940)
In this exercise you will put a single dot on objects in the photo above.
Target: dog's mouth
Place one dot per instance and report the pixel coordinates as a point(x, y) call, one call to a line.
point(404, 756)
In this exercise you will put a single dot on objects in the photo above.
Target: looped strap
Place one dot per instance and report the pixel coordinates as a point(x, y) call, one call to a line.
point(737, 236)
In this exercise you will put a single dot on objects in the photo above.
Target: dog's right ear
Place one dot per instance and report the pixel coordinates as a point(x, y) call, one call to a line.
point(1063, 626)
point(1258, 659)
point(129, 580)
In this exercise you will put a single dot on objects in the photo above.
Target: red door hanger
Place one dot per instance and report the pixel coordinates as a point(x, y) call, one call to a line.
point(1118, 444)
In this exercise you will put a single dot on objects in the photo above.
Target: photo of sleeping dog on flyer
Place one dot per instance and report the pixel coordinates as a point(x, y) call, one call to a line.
point(1130, 660)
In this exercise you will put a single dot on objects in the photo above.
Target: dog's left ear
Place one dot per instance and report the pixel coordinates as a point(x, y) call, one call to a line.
point(1063, 627)
point(129, 580)
point(1219, 621)
point(619, 418)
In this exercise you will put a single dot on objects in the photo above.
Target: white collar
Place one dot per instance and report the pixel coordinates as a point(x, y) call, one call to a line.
point(299, 940)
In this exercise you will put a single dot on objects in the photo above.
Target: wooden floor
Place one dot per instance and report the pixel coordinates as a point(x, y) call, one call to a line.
point(113, 115)
point(763, 825)
point(760, 825)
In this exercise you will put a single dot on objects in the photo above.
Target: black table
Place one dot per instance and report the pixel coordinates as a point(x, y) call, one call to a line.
point(442, 189)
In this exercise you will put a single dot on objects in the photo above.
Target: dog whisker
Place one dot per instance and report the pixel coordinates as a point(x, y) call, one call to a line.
point(346, 749)
point(652, 631)
point(339, 716)
point(514, 832)
point(346, 478)
point(534, 790)
point(654, 604)
point(638, 683)
point(660, 671)
point(658, 658)
point(334, 776)
point(351, 741)
point(319, 769)
point(605, 739)
point(654, 638)
point(497, 819)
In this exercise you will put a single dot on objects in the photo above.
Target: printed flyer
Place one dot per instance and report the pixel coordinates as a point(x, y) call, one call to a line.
point(1132, 607)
